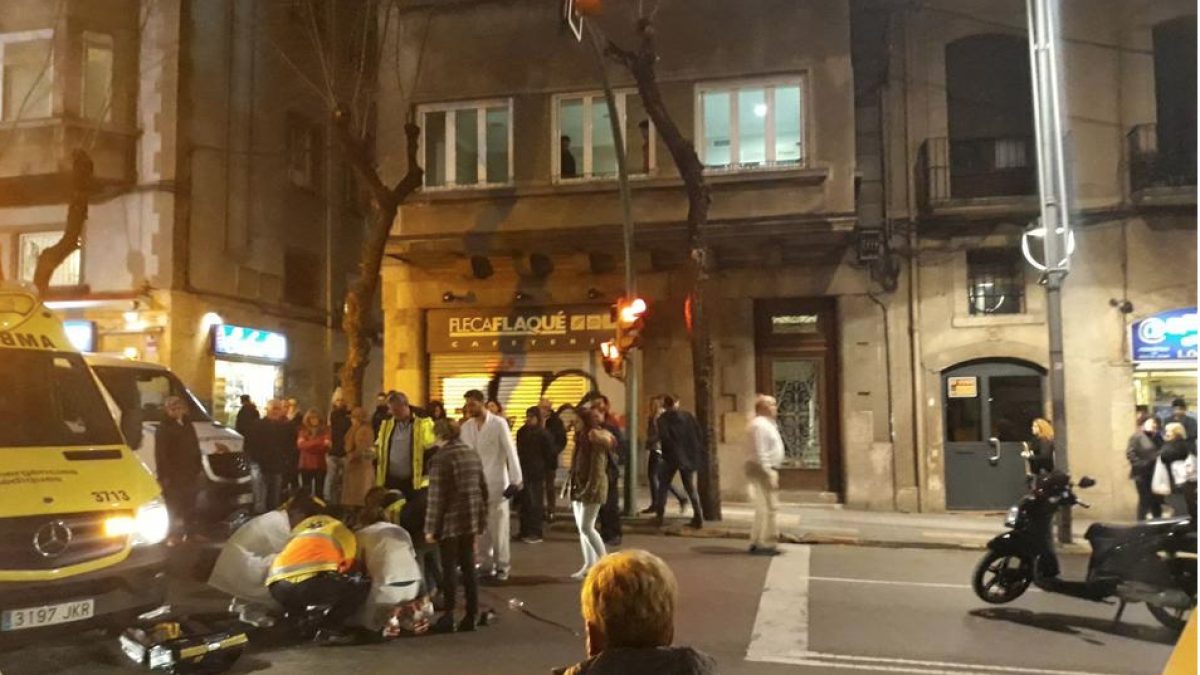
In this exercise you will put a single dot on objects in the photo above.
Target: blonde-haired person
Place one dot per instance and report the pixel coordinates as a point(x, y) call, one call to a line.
point(589, 483)
point(1041, 449)
point(628, 605)
point(359, 473)
point(1180, 457)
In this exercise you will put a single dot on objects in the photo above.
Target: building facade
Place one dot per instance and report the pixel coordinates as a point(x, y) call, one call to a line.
point(871, 165)
point(221, 233)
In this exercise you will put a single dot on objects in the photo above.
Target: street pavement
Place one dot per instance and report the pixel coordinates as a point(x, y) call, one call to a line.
point(815, 610)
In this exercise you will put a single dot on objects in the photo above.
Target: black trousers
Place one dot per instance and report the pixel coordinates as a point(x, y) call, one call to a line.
point(458, 564)
point(610, 512)
point(551, 492)
point(666, 474)
point(532, 512)
point(1149, 504)
point(1189, 495)
point(313, 480)
point(653, 468)
point(344, 595)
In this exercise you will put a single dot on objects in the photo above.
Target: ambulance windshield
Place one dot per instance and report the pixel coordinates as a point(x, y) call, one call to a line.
point(51, 399)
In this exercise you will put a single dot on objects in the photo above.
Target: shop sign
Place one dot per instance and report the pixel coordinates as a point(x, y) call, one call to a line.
point(1169, 336)
point(962, 387)
point(249, 342)
point(534, 329)
point(81, 335)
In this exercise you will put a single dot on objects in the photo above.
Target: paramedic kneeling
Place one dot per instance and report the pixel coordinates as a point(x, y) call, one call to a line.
point(314, 569)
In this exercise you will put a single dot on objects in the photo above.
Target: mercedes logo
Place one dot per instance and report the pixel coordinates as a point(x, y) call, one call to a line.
point(52, 539)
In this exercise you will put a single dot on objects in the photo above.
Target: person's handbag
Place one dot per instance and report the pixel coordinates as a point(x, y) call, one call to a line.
point(1160, 483)
point(1183, 470)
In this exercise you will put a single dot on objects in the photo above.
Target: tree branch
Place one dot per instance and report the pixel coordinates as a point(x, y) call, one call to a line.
point(359, 158)
point(77, 213)
point(415, 176)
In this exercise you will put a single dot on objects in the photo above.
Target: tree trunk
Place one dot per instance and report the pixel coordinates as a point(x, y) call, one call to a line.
point(77, 215)
point(385, 204)
point(641, 64)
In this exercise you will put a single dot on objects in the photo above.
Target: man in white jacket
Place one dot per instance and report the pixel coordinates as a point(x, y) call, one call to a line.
point(764, 454)
point(490, 436)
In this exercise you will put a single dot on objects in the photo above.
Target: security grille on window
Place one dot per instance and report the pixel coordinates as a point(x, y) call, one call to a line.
point(751, 125)
point(467, 144)
point(32, 244)
point(26, 75)
point(97, 77)
point(995, 283)
point(584, 146)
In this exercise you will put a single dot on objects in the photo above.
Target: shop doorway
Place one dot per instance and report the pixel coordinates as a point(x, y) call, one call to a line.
point(984, 400)
point(262, 382)
point(796, 341)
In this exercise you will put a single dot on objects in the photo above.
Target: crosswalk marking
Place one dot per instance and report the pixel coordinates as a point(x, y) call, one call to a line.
point(781, 626)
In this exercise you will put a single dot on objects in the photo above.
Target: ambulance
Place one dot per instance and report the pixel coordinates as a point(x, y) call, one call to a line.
point(82, 520)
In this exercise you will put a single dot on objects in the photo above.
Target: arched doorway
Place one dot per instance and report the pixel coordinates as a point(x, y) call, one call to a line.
point(989, 110)
point(985, 399)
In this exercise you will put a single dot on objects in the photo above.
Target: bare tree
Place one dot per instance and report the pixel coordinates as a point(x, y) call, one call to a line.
point(77, 214)
point(641, 63)
point(349, 74)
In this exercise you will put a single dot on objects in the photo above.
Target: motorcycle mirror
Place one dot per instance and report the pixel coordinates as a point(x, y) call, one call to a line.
point(1087, 482)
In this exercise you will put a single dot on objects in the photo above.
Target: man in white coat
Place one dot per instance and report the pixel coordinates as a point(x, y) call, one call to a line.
point(764, 454)
point(490, 436)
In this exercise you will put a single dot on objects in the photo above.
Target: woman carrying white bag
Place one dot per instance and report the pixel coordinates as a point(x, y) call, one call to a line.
point(1176, 468)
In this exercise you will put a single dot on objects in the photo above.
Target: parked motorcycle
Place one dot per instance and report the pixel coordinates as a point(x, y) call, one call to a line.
point(1152, 562)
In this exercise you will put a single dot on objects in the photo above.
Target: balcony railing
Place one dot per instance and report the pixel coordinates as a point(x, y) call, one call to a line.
point(977, 168)
point(1156, 161)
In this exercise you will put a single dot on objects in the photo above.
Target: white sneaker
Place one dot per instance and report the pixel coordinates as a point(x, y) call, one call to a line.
point(580, 575)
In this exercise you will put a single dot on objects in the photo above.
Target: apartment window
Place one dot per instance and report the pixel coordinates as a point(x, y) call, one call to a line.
point(303, 143)
point(26, 75)
point(31, 246)
point(97, 77)
point(756, 124)
point(301, 272)
point(584, 145)
point(467, 144)
point(995, 281)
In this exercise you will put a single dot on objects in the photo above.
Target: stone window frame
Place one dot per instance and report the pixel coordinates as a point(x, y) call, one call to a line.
point(90, 41)
point(585, 175)
point(1033, 308)
point(67, 275)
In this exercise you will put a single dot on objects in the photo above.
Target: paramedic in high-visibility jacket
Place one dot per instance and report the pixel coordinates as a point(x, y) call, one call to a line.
point(315, 569)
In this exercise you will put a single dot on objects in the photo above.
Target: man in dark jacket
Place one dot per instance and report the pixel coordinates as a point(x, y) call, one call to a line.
point(381, 412)
point(534, 445)
point(558, 433)
point(682, 442)
point(273, 448)
point(1179, 413)
point(246, 417)
point(1142, 454)
point(178, 463)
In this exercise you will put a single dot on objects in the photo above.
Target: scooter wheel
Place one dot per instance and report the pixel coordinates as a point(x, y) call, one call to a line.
point(1172, 617)
point(1001, 577)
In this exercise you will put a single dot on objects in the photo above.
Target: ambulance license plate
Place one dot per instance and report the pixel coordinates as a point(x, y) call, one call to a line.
point(47, 615)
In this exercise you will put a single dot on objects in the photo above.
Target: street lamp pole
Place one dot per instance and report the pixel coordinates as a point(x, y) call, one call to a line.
point(1043, 19)
point(631, 361)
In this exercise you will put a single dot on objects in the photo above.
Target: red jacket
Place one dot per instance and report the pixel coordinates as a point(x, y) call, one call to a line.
point(313, 450)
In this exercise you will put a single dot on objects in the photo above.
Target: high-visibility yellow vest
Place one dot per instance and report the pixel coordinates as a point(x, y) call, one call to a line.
point(318, 544)
point(422, 439)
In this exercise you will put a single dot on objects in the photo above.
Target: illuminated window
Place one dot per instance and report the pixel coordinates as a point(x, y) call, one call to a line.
point(584, 145)
point(32, 244)
point(26, 75)
point(751, 125)
point(97, 77)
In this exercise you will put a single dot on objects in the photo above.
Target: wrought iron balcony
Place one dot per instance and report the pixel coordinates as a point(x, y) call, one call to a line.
point(962, 171)
point(1156, 161)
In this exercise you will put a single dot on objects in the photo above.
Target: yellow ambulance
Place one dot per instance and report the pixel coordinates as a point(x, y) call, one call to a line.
point(82, 520)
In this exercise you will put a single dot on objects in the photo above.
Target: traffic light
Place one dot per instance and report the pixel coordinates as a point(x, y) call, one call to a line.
point(631, 319)
point(614, 360)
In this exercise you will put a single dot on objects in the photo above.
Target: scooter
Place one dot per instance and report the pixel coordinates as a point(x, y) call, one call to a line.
point(1152, 562)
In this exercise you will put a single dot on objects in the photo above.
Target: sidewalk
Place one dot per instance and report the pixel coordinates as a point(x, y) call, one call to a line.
point(834, 525)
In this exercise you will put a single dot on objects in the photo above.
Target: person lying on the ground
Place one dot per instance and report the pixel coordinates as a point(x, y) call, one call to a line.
point(628, 602)
point(317, 568)
point(390, 561)
point(245, 560)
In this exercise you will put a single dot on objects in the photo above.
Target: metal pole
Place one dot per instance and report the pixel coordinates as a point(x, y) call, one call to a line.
point(1055, 221)
point(631, 362)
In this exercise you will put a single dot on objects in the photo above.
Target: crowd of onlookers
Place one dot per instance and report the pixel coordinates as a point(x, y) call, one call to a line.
point(1162, 461)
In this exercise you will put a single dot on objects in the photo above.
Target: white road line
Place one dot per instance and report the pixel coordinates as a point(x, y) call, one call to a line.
point(876, 663)
point(781, 626)
point(885, 582)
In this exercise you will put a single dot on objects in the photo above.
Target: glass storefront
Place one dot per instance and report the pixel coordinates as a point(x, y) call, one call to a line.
point(261, 382)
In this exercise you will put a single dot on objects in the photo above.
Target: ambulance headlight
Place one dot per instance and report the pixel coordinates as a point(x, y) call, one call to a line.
point(149, 526)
